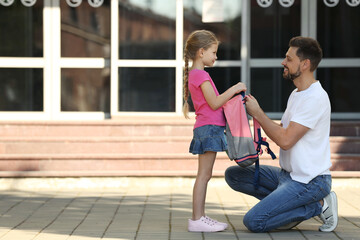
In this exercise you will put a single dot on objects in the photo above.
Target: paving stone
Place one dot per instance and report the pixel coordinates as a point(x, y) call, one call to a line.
point(145, 208)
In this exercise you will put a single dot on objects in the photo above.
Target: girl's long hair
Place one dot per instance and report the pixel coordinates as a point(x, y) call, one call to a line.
point(196, 40)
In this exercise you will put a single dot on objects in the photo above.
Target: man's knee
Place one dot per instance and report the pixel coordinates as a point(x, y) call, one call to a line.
point(253, 222)
point(230, 176)
point(236, 176)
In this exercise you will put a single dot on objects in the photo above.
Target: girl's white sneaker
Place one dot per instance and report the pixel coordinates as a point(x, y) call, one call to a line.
point(216, 221)
point(204, 225)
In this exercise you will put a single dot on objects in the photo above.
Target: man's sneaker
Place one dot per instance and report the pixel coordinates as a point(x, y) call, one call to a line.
point(329, 213)
point(204, 225)
point(216, 221)
point(289, 226)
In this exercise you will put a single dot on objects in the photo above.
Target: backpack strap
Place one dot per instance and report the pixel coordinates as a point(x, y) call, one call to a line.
point(262, 141)
point(258, 141)
point(257, 174)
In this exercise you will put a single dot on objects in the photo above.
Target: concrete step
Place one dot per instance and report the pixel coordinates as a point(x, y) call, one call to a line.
point(345, 144)
point(142, 126)
point(131, 146)
point(95, 145)
point(128, 144)
point(65, 165)
point(345, 128)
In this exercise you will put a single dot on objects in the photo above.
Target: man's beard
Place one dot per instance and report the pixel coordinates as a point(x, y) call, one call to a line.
point(292, 76)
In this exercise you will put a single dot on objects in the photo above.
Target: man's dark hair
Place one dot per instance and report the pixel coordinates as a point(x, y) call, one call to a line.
point(308, 48)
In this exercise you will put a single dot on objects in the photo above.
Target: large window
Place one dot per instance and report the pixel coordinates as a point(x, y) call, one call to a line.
point(21, 36)
point(342, 85)
point(147, 89)
point(85, 40)
point(21, 89)
point(147, 29)
point(21, 30)
point(338, 34)
point(147, 36)
point(228, 31)
point(85, 30)
point(125, 57)
point(224, 77)
point(271, 29)
point(270, 88)
point(338, 30)
point(85, 90)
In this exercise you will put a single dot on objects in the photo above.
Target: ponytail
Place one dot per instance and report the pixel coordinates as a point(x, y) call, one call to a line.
point(186, 89)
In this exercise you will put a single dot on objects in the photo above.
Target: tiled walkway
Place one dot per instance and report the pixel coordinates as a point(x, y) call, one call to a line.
point(144, 208)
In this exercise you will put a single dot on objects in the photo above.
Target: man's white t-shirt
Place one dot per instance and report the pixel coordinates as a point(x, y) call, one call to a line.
point(310, 156)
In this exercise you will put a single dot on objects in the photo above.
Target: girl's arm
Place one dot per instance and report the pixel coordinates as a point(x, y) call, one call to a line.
point(216, 102)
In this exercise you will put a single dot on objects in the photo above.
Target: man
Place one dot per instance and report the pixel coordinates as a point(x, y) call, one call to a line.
point(300, 189)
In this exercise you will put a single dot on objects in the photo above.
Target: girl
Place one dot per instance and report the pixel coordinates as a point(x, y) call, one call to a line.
point(201, 47)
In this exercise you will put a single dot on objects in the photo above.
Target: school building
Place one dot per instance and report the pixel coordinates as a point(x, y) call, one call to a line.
point(94, 87)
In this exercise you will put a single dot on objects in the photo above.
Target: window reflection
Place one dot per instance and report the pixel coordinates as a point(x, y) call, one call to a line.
point(228, 31)
point(342, 85)
point(272, 28)
point(85, 90)
point(147, 89)
point(338, 30)
point(21, 31)
point(270, 88)
point(147, 29)
point(85, 30)
point(21, 89)
point(224, 77)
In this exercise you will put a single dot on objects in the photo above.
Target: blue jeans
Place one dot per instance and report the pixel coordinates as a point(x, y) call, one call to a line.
point(283, 200)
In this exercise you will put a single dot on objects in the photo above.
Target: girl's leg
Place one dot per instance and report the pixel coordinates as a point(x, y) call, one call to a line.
point(205, 167)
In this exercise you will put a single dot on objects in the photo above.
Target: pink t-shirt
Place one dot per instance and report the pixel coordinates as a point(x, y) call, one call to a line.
point(204, 114)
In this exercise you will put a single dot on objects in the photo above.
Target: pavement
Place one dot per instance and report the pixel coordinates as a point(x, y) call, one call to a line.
point(145, 208)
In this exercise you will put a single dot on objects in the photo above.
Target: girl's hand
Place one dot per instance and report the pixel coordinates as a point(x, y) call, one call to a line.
point(239, 87)
point(218, 101)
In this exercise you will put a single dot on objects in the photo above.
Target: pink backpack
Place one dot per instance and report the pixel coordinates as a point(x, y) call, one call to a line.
point(242, 147)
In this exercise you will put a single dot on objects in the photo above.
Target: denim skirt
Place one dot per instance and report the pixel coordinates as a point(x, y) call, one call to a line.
point(208, 138)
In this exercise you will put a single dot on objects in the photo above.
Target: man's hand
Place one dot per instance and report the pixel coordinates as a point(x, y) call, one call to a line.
point(252, 106)
point(283, 137)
